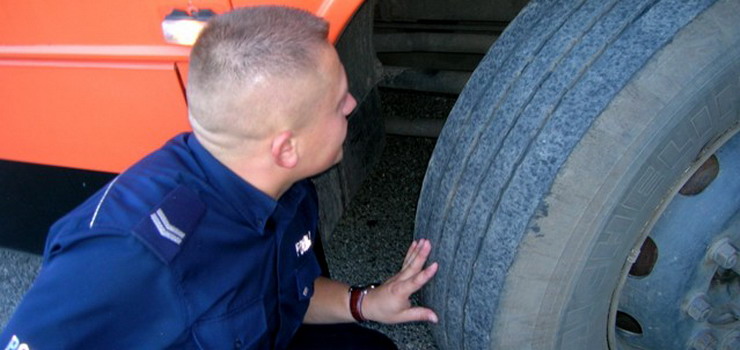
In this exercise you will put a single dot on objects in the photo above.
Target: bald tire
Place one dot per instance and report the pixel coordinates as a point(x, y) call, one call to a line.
point(579, 122)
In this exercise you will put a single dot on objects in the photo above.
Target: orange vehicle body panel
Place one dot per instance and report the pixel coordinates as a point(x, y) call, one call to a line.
point(92, 84)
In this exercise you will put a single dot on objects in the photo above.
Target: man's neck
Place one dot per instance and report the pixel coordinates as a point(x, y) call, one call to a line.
point(258, 170)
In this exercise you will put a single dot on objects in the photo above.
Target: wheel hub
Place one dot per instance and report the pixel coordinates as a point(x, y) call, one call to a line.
point(683, 289)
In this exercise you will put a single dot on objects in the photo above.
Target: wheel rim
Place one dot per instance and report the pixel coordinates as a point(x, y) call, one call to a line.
point(682, 289)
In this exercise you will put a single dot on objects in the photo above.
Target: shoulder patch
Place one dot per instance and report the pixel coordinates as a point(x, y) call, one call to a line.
point(167, 226)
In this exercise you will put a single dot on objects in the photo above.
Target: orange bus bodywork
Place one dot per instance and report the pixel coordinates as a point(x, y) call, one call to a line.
point(94, 86)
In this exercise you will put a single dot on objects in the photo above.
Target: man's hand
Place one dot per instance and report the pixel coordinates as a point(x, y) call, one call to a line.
point(389, 303)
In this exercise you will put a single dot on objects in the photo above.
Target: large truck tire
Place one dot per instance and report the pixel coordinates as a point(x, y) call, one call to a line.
point(594, 135)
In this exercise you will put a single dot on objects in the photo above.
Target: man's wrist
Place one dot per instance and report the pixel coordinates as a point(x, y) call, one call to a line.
point(357, 295)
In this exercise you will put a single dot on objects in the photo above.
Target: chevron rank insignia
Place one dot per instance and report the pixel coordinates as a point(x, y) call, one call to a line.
point(167, 227)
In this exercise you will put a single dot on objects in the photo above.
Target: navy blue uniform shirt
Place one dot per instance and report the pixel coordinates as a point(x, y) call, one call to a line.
point(176, 252)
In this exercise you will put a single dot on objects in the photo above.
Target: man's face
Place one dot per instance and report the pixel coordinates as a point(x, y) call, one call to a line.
point(323, 136)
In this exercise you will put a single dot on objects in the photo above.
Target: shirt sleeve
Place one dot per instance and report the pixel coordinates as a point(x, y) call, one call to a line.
point(102, 293)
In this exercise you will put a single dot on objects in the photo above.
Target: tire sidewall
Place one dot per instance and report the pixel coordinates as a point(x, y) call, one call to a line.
point(672, 115)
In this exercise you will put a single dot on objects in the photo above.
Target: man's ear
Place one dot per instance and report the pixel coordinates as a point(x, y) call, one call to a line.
point(284, 152)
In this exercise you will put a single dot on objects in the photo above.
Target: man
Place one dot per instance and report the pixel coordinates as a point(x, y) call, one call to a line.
point(208, 242)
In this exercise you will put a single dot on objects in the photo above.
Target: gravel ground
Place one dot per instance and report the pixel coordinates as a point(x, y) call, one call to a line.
point(17, 271)
point(373, 235)
point(372, 238)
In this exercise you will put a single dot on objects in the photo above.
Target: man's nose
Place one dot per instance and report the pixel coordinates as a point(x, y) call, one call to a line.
point(350, 105)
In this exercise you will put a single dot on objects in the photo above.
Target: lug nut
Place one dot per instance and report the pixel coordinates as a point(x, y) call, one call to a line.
point(703, 341)
point(698, 308)
point(724, 254)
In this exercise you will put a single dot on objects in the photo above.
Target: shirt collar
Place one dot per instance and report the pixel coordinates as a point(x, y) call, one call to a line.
point(252, 204)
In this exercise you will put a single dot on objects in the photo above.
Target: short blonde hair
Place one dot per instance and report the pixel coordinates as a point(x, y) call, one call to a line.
point(242, 46)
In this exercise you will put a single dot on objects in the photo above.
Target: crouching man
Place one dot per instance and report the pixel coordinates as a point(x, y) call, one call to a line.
point(207, 243)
